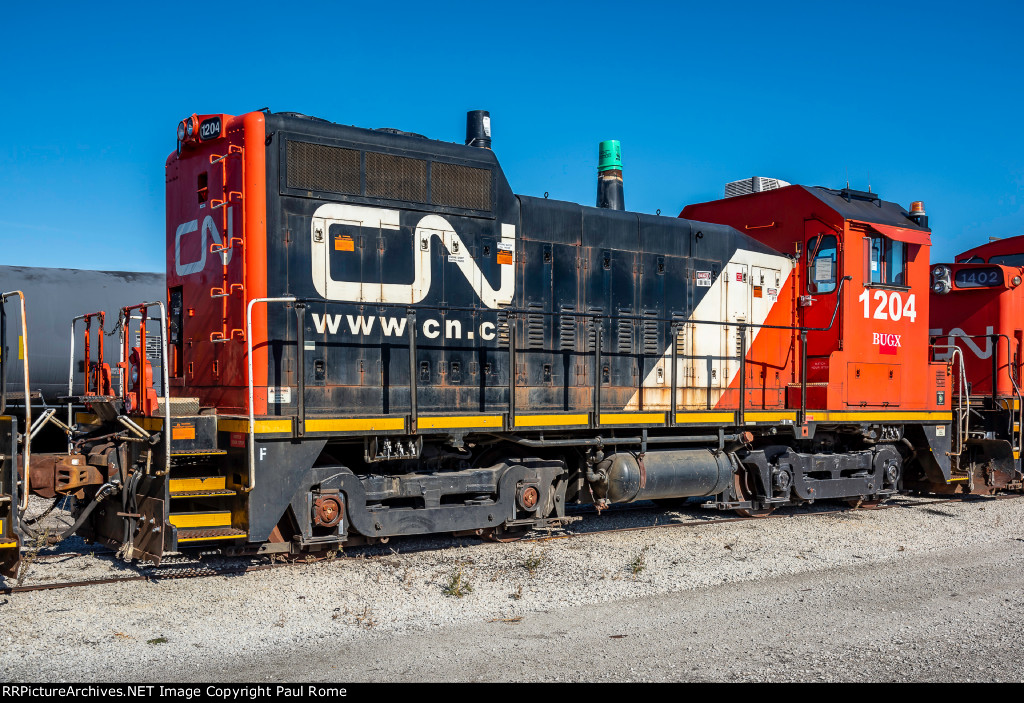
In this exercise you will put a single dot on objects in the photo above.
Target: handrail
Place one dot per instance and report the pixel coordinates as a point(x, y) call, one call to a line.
point(27, 449)
point(126, 314)
point(512, 314)
point(252, 409)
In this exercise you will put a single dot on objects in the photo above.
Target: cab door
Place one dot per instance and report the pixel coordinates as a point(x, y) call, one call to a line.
point(822, 265)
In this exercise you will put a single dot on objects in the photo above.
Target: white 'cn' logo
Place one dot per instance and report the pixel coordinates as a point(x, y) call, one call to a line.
point(962, 339)
point(209, 228)
point(429, 227)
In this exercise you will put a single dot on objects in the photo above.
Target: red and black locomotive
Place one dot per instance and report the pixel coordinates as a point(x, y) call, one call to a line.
point(367, 334)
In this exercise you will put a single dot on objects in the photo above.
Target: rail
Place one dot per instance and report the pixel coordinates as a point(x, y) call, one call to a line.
point(26, 451)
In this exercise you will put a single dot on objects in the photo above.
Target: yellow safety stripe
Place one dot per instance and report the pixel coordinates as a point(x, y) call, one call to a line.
point(437, 423)
point(185, 520)
point(632, 418)
point(260, 426)
point(551, 420)
point(356, 424)
point(683, 418)
point(8, 545)
point(768, 416)
point(875, 416)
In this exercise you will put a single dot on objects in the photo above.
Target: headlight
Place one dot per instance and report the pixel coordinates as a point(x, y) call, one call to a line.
point(181, 131)
point(190, 126)
point(941, 272)
point(941, 279)
point(941, 287)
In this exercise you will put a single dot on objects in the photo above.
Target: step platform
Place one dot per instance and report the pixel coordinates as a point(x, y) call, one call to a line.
point(198, 487)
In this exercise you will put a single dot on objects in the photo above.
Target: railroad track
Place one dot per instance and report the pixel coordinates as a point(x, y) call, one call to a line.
point(185, 566)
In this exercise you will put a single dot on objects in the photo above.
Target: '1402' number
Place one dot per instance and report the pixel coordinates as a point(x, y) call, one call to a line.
point(890, 306)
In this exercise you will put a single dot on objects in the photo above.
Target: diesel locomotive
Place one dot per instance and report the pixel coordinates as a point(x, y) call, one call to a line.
point(367, 334)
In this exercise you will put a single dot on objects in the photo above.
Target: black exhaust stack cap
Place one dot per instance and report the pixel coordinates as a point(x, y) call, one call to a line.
point(478, 129)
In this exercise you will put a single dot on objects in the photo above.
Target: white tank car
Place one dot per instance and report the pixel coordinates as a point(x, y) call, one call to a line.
point(53, 297)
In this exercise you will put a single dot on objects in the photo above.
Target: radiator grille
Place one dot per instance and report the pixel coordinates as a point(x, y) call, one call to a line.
point(396, 177)
point(460, 186)
point(320, 167)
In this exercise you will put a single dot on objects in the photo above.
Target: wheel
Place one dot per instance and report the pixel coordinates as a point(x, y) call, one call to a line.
point(745, 489)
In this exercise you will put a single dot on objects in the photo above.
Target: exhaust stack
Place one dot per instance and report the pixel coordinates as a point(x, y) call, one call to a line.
point(609, 176)
point(478, 129)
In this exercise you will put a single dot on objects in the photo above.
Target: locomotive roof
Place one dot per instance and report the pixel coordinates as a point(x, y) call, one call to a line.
point(864, 207)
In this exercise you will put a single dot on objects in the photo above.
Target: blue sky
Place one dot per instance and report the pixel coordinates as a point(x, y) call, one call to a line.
point(922, 100)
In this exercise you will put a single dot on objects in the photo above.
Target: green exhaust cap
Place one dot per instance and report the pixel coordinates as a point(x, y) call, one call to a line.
point(609, 156)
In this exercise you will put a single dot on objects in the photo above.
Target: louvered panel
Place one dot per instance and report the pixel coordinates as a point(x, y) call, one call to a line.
point(535, 327)
point(624, 332)
point(567, 329)
point(594, 324)
point(649, 333)
point(502, 329)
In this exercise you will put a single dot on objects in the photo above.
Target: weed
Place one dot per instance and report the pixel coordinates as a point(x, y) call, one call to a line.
point(31, 553)
point(458, 585)
point(518, 593)
point(157, 640)
point(533, 562)
point(639, 562)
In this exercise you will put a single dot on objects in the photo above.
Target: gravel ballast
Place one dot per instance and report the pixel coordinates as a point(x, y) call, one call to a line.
point(908, 593)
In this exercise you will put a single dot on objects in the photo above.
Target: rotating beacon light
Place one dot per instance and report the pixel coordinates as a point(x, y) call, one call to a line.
point(917, 213)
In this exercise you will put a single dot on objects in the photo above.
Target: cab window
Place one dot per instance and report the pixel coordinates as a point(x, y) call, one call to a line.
point(1007, 259)
point(822, 254)
point(888, 261)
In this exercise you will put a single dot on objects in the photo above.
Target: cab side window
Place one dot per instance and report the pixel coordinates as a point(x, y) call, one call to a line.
point(888, 261)
point(822, 256)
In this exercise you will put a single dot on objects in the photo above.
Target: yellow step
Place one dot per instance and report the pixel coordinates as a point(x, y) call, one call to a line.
point(202, 534)
point(201, 486)
point(218, 518)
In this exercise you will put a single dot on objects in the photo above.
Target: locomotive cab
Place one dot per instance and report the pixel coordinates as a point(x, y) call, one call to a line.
point(862, 294)
point(976, 325)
